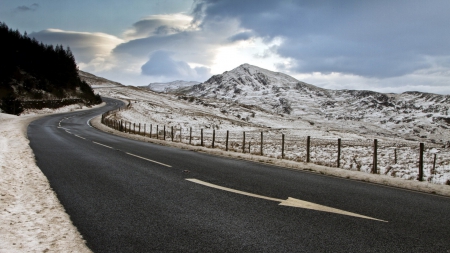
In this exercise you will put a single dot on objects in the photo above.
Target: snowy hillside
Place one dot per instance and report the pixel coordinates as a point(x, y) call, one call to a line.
point(171, 86)
point(310, 115)
point(411, 115)
point(96, 81)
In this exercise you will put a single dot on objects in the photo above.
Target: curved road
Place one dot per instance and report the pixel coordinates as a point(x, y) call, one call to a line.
point(129, 196)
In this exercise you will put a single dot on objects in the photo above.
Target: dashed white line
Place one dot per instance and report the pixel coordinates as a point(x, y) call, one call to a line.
point(80, 137)
point(102, 145)
point(148, 160)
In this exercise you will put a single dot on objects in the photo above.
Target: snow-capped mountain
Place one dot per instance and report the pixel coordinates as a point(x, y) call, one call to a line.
point(411, 115)
point(171, 86)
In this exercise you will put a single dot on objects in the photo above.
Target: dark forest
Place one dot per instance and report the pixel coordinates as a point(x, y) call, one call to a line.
point(35, 75)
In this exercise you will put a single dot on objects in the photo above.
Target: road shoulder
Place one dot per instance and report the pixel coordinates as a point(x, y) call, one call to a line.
point(31, 216)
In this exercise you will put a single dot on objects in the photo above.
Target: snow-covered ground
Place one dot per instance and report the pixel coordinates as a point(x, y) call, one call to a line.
point(171, 86)
point(31, 217)
point(184, 113)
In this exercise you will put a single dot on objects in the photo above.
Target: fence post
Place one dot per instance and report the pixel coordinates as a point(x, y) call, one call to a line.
point(375, 158)
point(214, 137)
point(308, 144)
point(282, 146)
point(157, 132)
point(226, 142)
point(339, 153)
point(434, 164)
point(420, 176)
point(172, 133)
point(150, 131)
point(139, 129)
point(243, 142)
point(164, 132)
point(262, 141)
point(190, 135)
point(134, 128)
point(201, 137)
point(395, 156)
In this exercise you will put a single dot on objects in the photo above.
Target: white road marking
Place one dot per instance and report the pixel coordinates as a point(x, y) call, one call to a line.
point(149, 160)
point(103, 145)
point(288, 202)
point(89, 121)
point(79, 137)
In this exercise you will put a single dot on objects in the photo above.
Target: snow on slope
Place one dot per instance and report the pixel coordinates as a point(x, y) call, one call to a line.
point(96, 81)
point(171, 86)
point(183, 112)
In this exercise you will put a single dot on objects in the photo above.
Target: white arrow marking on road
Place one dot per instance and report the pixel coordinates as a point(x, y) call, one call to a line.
point(288, 202)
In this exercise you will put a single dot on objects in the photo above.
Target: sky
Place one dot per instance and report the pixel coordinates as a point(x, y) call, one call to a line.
point(386, 46)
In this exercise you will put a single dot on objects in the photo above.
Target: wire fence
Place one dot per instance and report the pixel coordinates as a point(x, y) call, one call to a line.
point(400, 159)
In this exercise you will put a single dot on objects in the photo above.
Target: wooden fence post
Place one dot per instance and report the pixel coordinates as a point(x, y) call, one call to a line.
point(139, 129)
point(375, 158)
point(172, 133)
point(157, 132)
point(395, 156)
point(201, 137)
point(164, 132)
point(420, 176)
point(190, 135)
point(262, 141)
point(243, 142)
point(145, 128)
point(339, 153)
point(434, 164)
point(282, 146)
point(214, 137)
point(226, 142)
point(308, 144)
point(151, 131)
point(134, 128)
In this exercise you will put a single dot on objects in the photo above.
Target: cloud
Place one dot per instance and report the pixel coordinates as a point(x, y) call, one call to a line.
point(23, 8)
point(159, 25)
point(86, 46)
point(162, 66)
point(194, 44)
point(378, 39)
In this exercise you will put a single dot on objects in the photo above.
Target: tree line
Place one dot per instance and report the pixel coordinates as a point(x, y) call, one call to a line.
point(31, 70)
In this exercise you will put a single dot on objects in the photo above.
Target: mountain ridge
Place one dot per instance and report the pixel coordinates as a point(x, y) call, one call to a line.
point(412, 114)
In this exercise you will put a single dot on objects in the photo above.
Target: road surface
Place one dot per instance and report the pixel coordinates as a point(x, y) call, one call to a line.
point(130, 196)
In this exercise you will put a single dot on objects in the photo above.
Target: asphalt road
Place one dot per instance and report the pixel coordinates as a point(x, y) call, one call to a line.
point(129, 196)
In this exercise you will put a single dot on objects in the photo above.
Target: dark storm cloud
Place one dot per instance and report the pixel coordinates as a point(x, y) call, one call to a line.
point(161, 64)
point(369, 38)
point(240, 36)
point(32, 7)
